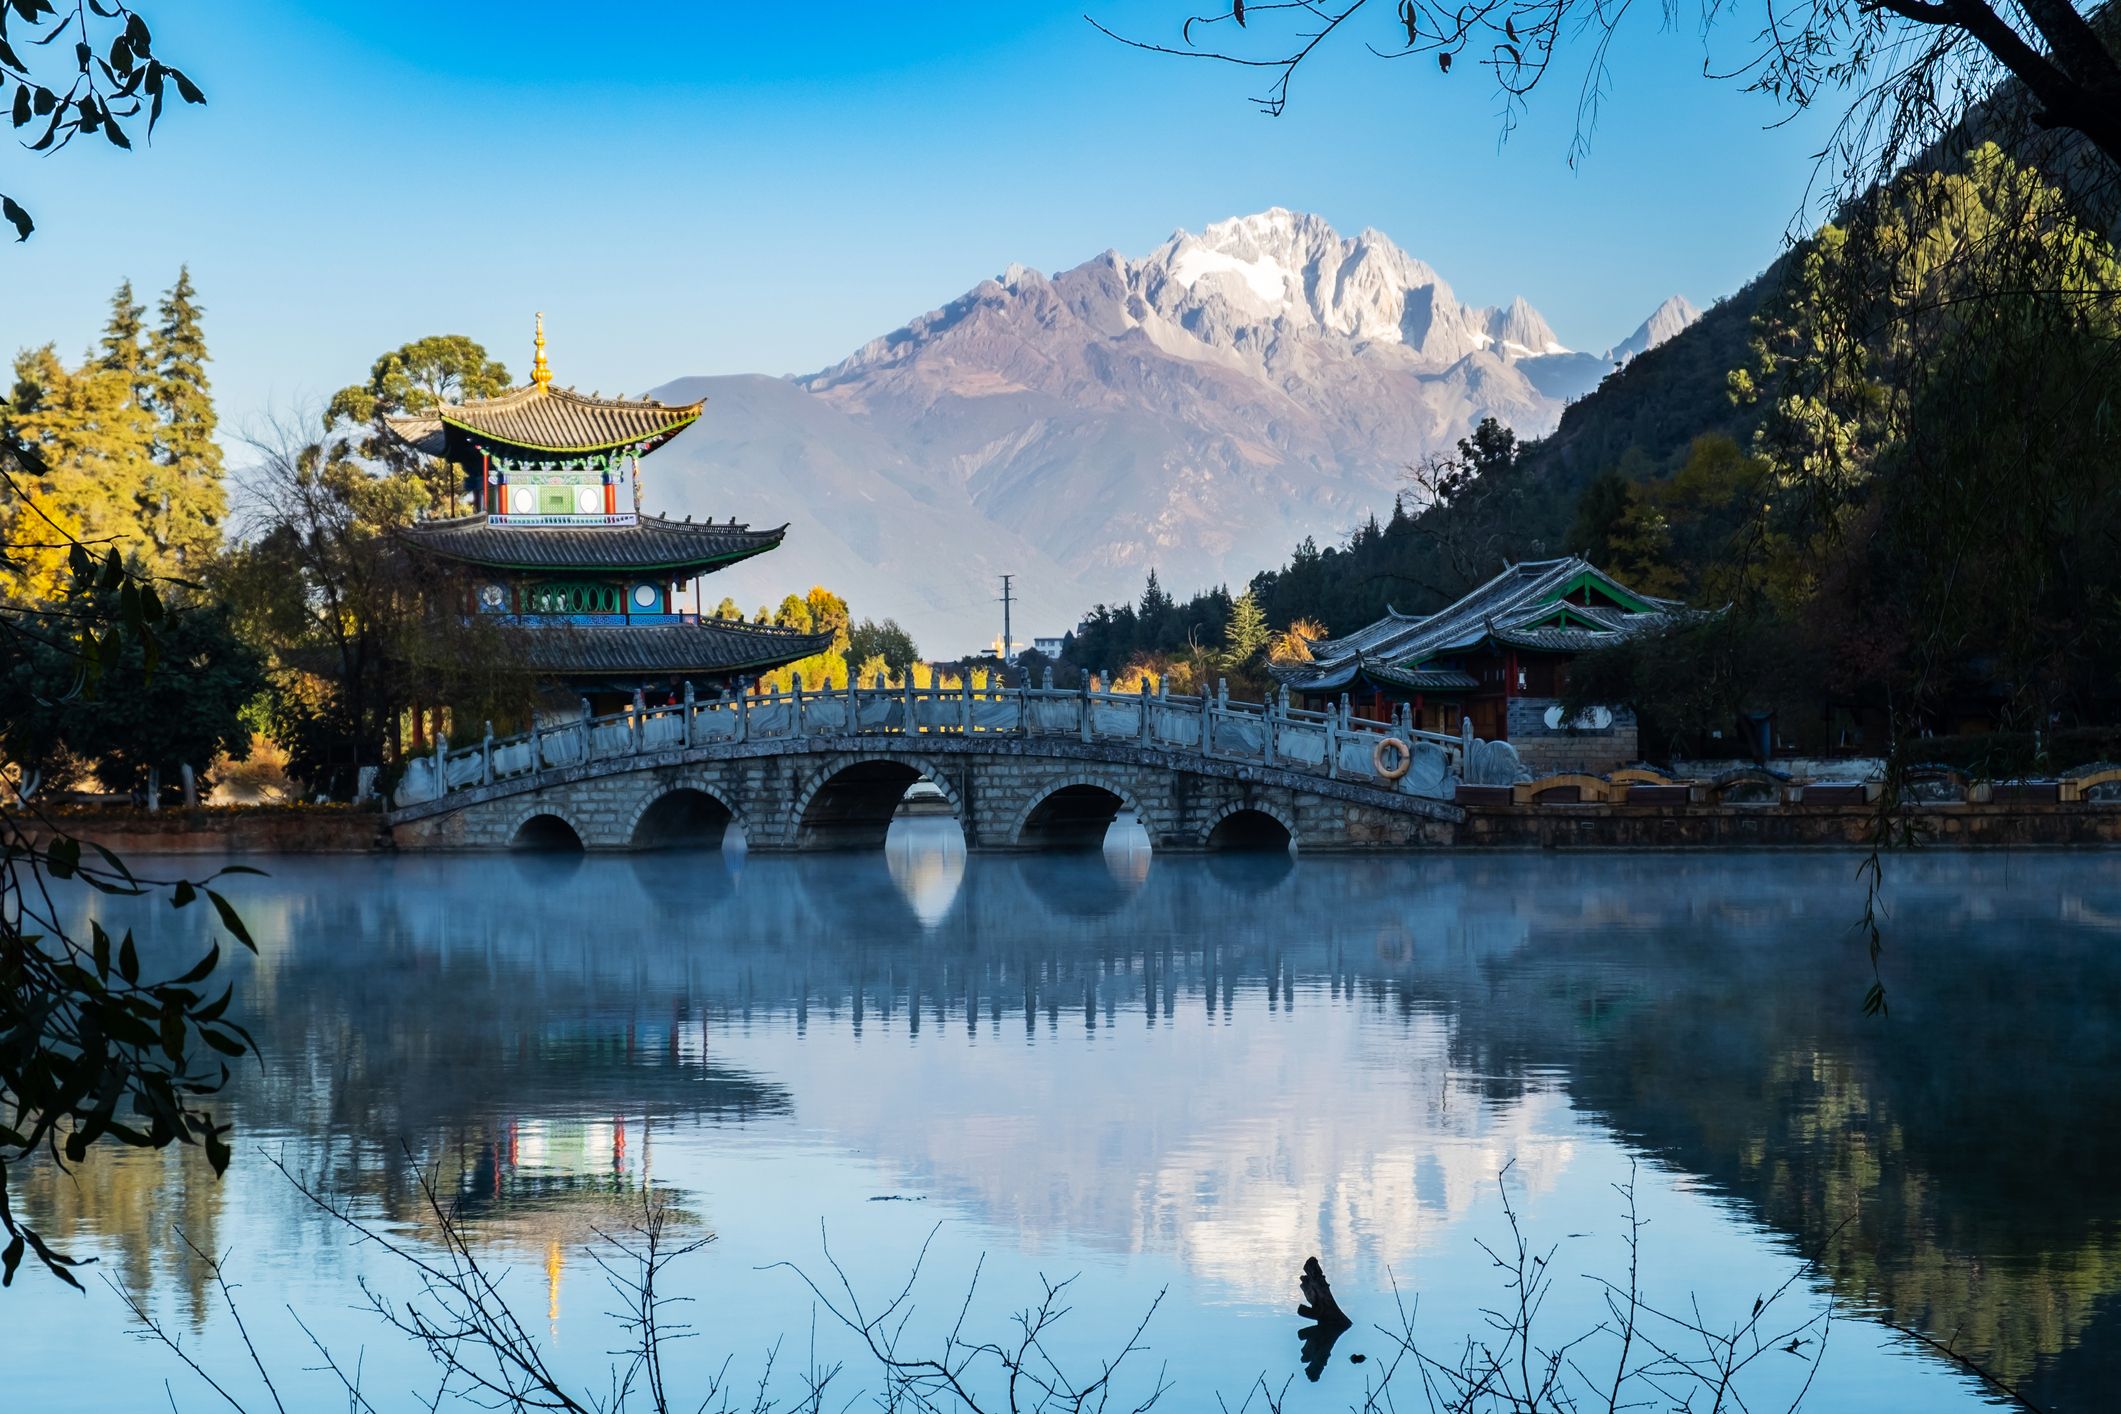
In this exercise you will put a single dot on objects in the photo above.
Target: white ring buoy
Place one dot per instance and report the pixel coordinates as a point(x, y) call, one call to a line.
point(1377, 757)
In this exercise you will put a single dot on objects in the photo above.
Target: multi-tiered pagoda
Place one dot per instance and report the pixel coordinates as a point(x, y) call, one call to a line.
point(561, 551)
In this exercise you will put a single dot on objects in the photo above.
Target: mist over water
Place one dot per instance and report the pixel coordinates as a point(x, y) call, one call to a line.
point(1151, 1072)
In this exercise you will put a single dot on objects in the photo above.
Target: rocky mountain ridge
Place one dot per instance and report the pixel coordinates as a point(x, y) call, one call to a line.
point(1198, 410)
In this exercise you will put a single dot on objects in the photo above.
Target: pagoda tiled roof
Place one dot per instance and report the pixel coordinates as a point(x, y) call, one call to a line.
point(421, 433)
point(557, 421)
point(1514, 609)
point(651, 543)
point(1423, 679)
point(702, 646)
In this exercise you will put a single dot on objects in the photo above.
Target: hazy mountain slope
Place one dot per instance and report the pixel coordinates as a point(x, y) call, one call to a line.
point(861, 518)
point(1197, 410)
point(1649, 411)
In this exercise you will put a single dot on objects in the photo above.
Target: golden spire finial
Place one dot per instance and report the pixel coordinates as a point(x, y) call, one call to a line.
point(540, 371)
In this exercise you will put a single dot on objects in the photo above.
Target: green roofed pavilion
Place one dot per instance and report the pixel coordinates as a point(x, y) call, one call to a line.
point(562, 555)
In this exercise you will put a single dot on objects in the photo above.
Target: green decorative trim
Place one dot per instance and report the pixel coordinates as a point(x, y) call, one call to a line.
point(1563, 618)
point(1600, 584)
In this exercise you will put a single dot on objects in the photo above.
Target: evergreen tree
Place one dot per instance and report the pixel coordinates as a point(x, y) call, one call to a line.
point(1156, 604)
point(1600, 510)
point(182, 503)
point(728, 609)
point(86, 448)
point(1245, 634)
point(124, 343)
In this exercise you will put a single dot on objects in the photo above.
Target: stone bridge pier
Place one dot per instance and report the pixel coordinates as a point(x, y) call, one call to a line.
point(825, 793)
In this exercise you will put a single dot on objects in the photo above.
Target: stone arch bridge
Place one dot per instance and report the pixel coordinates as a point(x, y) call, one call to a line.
point(1022, 768)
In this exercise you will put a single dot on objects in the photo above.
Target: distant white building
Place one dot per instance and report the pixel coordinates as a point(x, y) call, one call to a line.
point(1050, 647)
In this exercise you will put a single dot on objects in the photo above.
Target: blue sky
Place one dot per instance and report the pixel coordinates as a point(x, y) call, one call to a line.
point(710, 188)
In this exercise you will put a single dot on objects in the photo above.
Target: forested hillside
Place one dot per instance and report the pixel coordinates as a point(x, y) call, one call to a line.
point(1887, 465)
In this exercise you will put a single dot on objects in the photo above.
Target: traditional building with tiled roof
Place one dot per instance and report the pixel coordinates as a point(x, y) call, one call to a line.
point(592, 589)
point(1500, 656)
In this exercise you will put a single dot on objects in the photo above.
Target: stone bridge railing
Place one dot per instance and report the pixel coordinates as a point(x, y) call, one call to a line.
point(1332, 744)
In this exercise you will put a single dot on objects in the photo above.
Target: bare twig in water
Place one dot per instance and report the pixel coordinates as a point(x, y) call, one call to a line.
point(1029, 1376)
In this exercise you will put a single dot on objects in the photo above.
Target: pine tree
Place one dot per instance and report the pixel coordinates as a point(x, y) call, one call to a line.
point(124, 346)
point(87, 447)
point(1155, 601)
point(183, 504)
point(1245, 634)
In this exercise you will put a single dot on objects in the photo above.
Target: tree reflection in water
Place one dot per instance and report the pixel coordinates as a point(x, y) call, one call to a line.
point(512, 1025)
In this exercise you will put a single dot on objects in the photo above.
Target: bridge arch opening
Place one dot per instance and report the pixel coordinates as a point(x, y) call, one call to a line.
point(1074, 817)
point(860, 805)
point(685, 818)
point(1250, 832)
point(546, 834)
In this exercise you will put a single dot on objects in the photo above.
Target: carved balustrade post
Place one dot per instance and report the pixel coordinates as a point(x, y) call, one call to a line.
point(486, 757)
point(685, 737)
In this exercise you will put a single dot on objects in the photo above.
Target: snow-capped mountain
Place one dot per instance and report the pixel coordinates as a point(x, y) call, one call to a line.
point(1665, 321)
point(1198, 410)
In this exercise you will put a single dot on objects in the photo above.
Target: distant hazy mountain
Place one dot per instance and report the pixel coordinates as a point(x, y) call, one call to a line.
point(1666, 321)
point(1198, 410)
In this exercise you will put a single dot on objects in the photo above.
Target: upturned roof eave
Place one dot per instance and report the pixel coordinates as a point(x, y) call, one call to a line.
point(658, 422)
point(564, 548)
point(704, 646)
point(584, 449)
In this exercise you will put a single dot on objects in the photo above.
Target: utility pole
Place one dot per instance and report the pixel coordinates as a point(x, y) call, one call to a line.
point(1008, 642)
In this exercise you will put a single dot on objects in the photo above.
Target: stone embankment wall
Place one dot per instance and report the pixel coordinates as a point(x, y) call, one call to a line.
point(1499, 825)
point(1711, 826)
point(234, 829)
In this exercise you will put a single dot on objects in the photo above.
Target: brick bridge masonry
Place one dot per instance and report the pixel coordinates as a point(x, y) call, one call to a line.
point(840, 792)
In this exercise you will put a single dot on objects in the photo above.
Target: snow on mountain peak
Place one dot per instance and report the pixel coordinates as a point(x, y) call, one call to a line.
point(1665, 321)
point(1292, 271)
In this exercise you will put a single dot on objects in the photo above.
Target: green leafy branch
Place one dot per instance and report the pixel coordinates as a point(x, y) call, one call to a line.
point(114, 79)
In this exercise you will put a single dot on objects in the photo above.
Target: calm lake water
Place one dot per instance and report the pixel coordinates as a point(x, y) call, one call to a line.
point(1150, 1074)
